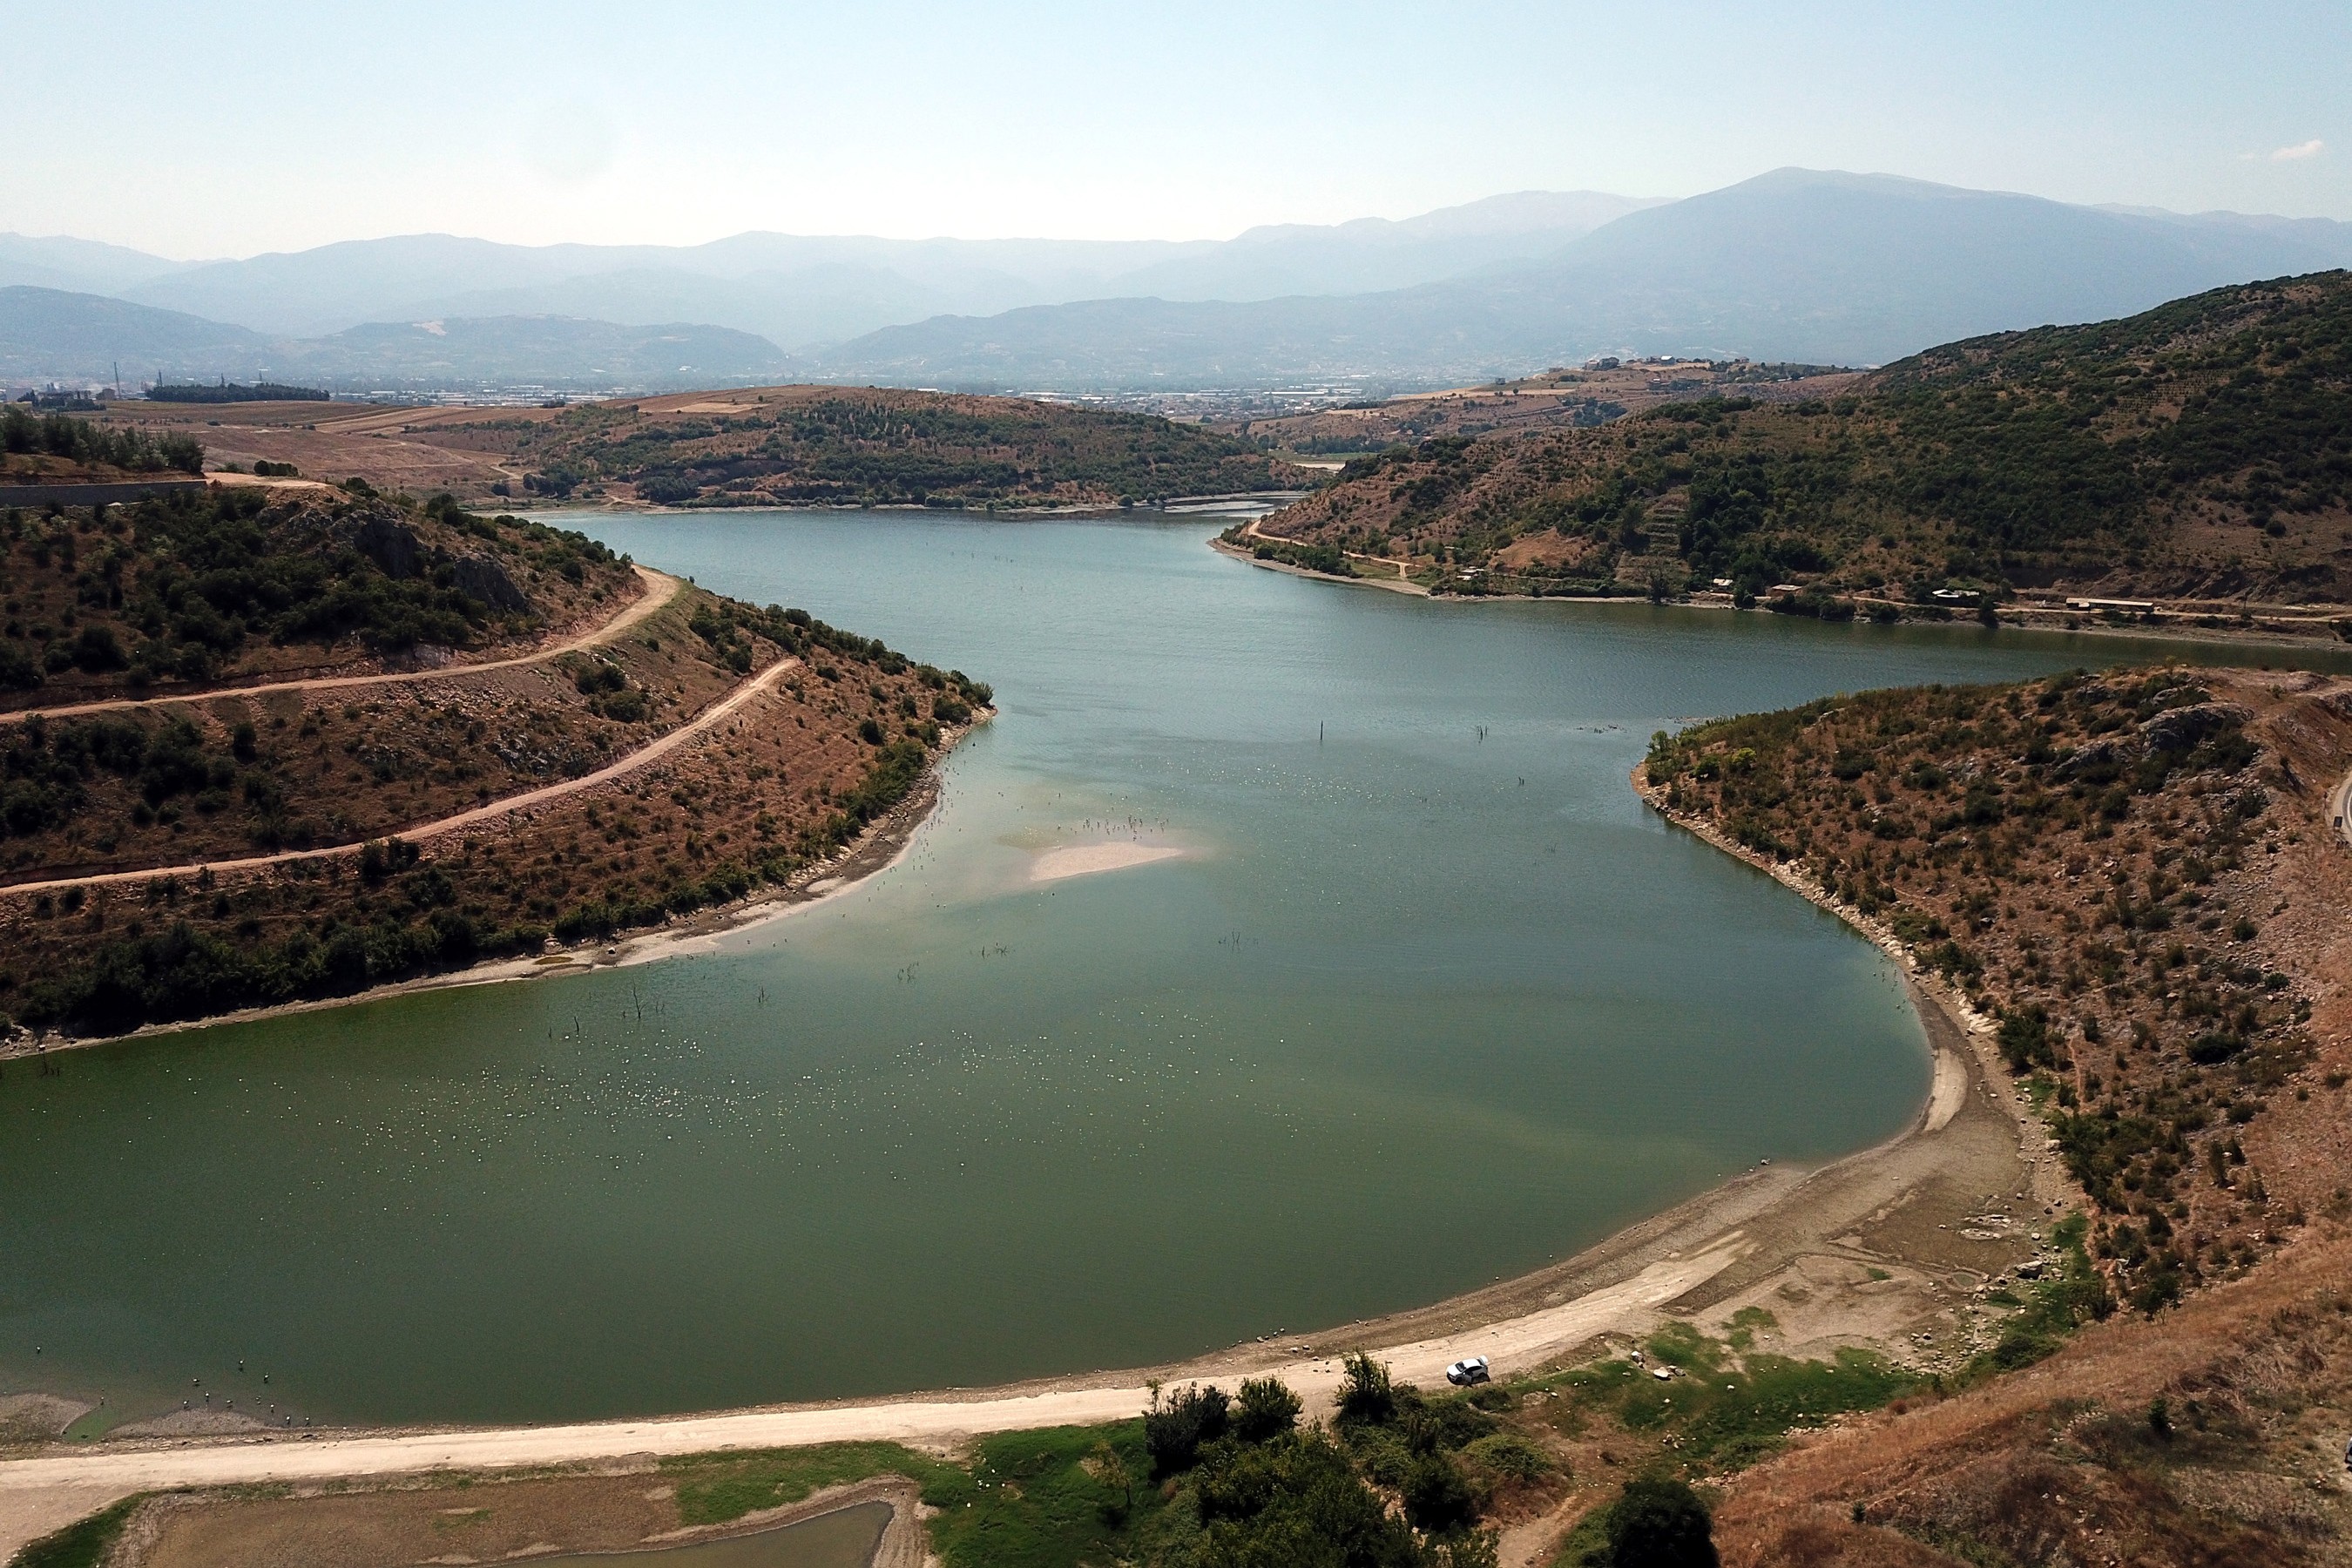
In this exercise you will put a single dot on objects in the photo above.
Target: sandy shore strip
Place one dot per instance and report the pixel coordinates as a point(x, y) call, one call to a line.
point(1088, 860)
point(922, 1422)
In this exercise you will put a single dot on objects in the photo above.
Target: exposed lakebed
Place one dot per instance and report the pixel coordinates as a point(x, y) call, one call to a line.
point(1425, 998)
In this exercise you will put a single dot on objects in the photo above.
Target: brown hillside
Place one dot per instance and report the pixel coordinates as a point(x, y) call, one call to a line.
point(171, 848)
point(2202, 453)
point(246, 585)
point(2140, 878)
point(757, 445)
point(1557, 400)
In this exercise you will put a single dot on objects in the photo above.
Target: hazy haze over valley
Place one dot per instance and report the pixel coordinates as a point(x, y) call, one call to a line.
point(1798, 265)
point(1027, 197)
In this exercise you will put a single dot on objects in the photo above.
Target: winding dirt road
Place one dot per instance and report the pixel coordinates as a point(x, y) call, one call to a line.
point(651, 602)
point(652, 752)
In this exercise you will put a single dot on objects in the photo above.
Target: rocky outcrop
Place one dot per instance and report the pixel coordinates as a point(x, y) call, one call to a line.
point(391, 543)
point(483, 577)
point(2183, 728)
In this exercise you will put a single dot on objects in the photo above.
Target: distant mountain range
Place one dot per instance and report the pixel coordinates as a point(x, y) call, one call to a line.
point(47, 334)
point(799, 290)
point(1795, 264)
point(1827, 269)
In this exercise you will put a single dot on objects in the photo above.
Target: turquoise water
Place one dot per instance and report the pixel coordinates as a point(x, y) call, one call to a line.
point(1428, 999)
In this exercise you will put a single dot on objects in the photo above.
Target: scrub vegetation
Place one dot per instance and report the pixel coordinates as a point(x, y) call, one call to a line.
point(1580, 398)
point(2202, 449)
point(187, 591)
point(2086, 860)
point(873, 446)
point(53, 447)
point(1397, 1477)
point(2136, 881)
point(844, 735)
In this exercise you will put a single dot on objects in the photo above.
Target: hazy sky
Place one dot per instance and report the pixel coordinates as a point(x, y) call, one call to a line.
point(229, 128)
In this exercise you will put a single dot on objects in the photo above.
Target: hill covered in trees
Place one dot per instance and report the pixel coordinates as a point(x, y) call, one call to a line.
point(230, 586)
point(2202, 450)
point(260, 747)
point(814, 445)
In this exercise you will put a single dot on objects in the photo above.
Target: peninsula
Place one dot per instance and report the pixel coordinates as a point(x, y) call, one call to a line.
point(263, 746)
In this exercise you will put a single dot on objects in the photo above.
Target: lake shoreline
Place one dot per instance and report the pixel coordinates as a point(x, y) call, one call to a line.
point(879, 845)
point(1692, 1262)
point(2221, 636)
point(1927, 989)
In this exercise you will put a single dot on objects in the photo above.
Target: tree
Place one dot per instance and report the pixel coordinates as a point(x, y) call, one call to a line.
point(1437, 1495)
point(1365, 1392)
point(1266, 1408)
point(1660, 1523)
point(1110, 1469)
point(1175, 1429)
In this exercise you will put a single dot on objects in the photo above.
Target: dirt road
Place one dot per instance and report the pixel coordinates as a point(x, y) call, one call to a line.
point(651, 602)
point(652, 752)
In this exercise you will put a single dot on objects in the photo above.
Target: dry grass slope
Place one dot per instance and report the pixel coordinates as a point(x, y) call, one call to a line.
point(2137, 876)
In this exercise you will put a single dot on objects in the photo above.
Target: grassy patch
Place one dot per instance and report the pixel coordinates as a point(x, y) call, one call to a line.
point(1744, 1323)
point(1727, 1411)
point(713, 1490)
point(1588, 1543)
point(84, 1543)
point(1038, 1499)
point(2053, 1308)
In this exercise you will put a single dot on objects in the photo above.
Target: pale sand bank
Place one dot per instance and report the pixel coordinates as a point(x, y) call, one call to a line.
point(1086, 859)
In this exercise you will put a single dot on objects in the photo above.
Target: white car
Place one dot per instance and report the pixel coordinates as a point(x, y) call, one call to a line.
point(1462, 1374)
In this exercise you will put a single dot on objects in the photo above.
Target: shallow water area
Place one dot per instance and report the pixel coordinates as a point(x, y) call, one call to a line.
point(1425, 998)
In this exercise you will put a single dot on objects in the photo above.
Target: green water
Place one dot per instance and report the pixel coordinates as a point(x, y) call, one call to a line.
point(1430, 1000)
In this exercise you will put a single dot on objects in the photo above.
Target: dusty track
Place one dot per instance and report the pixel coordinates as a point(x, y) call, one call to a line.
point(651, 602)
point(652, 752)
point(929, 1422)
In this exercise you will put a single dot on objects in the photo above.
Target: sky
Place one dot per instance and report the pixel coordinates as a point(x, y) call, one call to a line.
point(198, 131)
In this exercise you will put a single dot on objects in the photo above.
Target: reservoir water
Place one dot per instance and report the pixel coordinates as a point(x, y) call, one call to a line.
point(1426, 999)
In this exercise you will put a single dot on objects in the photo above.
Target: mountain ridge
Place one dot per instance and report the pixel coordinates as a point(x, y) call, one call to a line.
point(1820, 267)
point(1796, 265)
point(789, 287)
point(48, 334)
